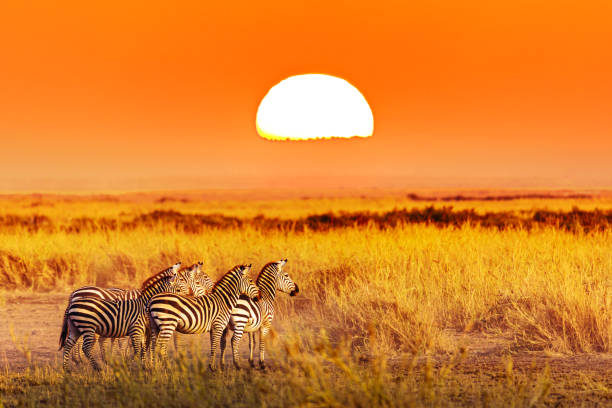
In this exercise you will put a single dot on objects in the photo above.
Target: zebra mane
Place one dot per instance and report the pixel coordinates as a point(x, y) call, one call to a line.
point(235, 269)
point(166, 273)
point(185, 268)
point(267, 268)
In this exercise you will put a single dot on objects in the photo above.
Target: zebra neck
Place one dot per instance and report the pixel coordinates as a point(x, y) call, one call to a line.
point(268, 294)
point(266, 282)
point(226, 290)
point(148, 293)
point(228, 300)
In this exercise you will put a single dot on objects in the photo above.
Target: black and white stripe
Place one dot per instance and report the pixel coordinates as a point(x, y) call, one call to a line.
point(251, 317)
point(104, 293)
point(111, 294)
point(89, 316)
point(196, 283)
point(191, 315)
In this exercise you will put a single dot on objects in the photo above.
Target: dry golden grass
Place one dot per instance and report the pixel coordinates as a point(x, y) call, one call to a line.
point(312, 373)
point(544, 289)
point(249, 204)
point(548, 286)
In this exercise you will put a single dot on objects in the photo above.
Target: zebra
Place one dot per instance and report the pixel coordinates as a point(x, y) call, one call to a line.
point(112, 294)
point(203, 284)
point(89, 316)
point(193, 281)
point(253, 317)
point(173, 312)
point(196, 282)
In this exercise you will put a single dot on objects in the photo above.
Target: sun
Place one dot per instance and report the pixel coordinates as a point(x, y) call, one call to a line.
point(314, 106)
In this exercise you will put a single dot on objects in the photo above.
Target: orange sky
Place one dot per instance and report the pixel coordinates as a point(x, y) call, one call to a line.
point(165, 95)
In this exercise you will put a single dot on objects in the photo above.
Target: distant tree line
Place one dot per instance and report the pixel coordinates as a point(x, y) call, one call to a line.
point(575, 220)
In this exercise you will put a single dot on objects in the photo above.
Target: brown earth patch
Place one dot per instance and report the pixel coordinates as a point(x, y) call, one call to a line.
point(31, 326)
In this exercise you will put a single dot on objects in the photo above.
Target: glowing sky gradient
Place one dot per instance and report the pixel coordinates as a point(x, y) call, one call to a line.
point(133, 93)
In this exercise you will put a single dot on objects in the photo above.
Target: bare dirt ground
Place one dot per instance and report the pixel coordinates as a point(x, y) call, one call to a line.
point(30, 330)
point(32, 321)
point(31, 324)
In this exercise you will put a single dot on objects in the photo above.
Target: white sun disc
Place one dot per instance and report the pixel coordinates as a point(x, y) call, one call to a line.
point(314, 106)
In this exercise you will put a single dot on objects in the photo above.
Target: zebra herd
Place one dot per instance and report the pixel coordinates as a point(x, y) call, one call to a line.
point(183, 300)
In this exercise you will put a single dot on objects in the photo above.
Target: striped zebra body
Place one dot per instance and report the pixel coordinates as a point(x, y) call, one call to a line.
point(169, 313)
point(248, 316)
point(197, 283)
point(104, 293)
point(109, 294)
point(111, 318)
point(89, 316)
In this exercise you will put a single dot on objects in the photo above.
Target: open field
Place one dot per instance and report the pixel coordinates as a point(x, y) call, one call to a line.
point(508, 304)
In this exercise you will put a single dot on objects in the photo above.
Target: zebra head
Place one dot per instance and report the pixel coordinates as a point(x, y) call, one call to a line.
point(164, 281)
point(284, 283)
point(170, 272)
point(203, 280)
point(246, 285)
point(184, 281)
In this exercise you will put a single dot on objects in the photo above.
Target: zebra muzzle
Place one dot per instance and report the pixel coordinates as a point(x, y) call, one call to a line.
point(296, 291)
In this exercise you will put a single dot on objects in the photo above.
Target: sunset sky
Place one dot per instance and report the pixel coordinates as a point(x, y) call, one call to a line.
point(165, 95)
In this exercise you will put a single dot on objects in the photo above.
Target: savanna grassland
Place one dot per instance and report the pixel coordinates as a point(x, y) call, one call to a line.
point(405, 300)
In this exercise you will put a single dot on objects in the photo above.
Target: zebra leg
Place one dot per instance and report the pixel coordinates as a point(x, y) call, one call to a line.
point(137, 346)
point(223, 345)
point(123, 347)
point(151, 345)
point(137, 342)
point(89, 339)
point(165, 333)
point(251, 348)
point(175, 338)
point(76, 351)
point(137, 334)
point(263, 332)
point(215, 339)
point(101, 341)
point(154, 333)
point(73, 338)
point(147, 342)
point(236, 337)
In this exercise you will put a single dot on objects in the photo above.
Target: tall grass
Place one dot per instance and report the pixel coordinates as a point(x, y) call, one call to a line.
point(375, 297)
point(314, 372)
point(548, 287)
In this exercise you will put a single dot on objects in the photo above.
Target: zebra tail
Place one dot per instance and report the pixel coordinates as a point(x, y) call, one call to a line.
point(62, 340)
point(148, 336)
